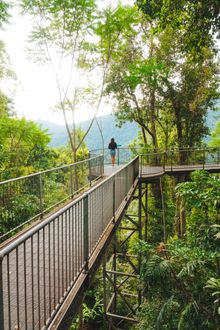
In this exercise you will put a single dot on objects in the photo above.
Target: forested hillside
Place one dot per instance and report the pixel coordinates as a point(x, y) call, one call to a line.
point(123, 135)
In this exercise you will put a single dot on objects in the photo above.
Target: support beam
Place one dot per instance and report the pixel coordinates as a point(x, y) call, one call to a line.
point(118, 281)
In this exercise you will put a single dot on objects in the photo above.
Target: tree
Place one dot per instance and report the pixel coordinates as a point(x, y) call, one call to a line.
point(215, 136)
point(161, 87)
point(201, 200)
point(5, 103)
point(132, 77)
point(190, 87)
point(23, 147)
point(60, 37)
point(196, 20)
point(5, 72)
point(4, 6)
point(176, 275)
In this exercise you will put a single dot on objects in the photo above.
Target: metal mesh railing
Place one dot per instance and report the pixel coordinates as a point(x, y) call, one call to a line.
point(193, 157)
point(26, 198)
point(123, 155)
point(40, 267)
point(176, 159)
point(153, 163)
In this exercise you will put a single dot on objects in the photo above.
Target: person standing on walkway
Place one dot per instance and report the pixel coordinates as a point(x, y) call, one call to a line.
point(112, 147)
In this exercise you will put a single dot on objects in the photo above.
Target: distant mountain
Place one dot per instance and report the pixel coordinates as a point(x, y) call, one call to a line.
point(212, 118)
point(123, 135)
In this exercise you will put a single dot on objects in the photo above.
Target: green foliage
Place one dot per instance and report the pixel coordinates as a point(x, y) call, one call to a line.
point(201, 198)
point(160, 86)
point(196, 20)
point(202, 192)
point(214, 284)
point(20, 207)
point(113, 27)
point(5, 72)
point(92, 308)
point(4, 105)
point(4, 7)
point(177, 277)
point(215, 136)
point(23, 147)
point(61, 22)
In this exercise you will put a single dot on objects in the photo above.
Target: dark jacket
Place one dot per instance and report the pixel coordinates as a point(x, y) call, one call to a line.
point(112, 145)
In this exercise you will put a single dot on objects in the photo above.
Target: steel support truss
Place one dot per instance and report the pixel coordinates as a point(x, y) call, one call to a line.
point(121, 271)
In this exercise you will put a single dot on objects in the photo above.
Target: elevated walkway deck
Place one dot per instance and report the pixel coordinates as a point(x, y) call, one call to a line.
point(150, 173)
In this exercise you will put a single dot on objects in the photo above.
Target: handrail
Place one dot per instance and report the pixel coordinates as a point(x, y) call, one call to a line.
point(48, 171)
point(32, 196)
point(159, 150)
point(152, 163)
point(123, 154)
point(44, 223)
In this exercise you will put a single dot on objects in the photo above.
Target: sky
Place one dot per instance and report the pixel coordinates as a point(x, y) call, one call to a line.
point(35, 92)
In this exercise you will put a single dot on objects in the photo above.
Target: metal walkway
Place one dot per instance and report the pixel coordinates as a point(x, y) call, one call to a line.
point(45, 271)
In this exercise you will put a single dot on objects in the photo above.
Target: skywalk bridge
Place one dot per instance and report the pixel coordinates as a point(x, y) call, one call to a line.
point(45, 270)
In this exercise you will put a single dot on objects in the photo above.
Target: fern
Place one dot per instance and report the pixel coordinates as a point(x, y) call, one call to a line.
point(186, 313)
point(217, 236)
point(214, 283)
point(190, 267)
point(165, 306)
point(157, 269)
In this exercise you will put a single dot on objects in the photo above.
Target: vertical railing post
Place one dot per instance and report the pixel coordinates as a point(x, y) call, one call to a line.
point(164, 160)
point(104, 287)
point(171, 160)
point(134, 170)
point(141, 165)
point(118, 158)
point(203, 159)
point(113, 199)
point(86, 231)
point(71, 182)
point(127, 183)
point(102, 164)
point(90, 172)
point(1, 296)
point(41, 195)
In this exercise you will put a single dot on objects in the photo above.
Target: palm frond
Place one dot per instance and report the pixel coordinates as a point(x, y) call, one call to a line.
point(190, 267)
point(157, 269)
point(183, 315)
point(162, 310)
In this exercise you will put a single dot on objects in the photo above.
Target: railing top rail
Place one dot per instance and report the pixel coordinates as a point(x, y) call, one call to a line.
point(48, 171)
point(160, 150)
point(7, 249)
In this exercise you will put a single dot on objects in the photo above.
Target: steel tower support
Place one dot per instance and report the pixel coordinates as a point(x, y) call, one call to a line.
point(121, 266)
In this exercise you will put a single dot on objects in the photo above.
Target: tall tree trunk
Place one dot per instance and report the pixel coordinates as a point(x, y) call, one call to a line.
point(153, 119)
point(179, 127)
